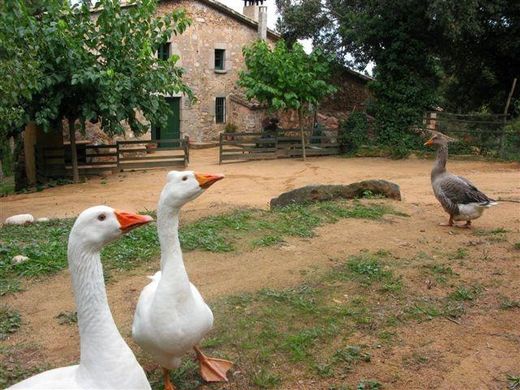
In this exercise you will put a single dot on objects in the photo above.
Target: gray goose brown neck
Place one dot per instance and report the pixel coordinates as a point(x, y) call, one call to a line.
point(440, 162)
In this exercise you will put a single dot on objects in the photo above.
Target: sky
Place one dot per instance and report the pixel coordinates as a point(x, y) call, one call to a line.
point(272, 15)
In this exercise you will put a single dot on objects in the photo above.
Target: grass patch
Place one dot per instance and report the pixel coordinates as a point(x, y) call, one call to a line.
point(516, 245)
point(10, 322)
point(20, 362)
point(7, 186)
point(513, 382)
point(307, 330)
point(46, 244)
point(67, 318)
point(369, 385)
point(368, 269)
point(459, 254)
point(509, 304)
point(440, 272)
point(9, 286)
point(463, 293)
point(494, 235)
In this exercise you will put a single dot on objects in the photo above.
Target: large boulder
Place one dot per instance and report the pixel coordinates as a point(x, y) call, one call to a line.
point(317, 193)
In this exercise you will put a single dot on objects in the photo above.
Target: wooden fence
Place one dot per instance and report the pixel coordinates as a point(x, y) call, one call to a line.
point(262, 146)
point(55, 162)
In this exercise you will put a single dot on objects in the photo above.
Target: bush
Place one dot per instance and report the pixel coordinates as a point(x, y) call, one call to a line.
point(354, 132)
point(511, 149)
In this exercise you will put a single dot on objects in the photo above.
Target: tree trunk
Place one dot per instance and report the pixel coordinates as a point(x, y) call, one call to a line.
point(300, 119)
point(73, 150)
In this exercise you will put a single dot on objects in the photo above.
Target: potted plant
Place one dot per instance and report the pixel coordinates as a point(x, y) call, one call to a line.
point(229, 130)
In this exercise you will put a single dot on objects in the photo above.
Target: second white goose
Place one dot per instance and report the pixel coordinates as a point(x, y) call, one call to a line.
point(171, 317)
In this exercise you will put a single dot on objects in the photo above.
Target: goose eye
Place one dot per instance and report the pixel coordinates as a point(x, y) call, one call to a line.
point(184, 178)
point(101, 217)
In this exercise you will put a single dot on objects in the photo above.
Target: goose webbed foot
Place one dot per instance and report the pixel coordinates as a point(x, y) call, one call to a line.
point(212, 369)
point(467, 225)
point(168, 385)
point(450, 222)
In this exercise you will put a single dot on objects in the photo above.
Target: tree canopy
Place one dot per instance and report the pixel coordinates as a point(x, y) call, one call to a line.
point(463, 55)
point(97, 65)
point(285, 78)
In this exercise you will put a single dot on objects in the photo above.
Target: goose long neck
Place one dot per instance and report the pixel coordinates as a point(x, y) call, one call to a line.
point(440, 161)
point(172, 265)
point(101, 343)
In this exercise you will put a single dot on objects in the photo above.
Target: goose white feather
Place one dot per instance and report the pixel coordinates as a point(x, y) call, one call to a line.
point(106, 361)
point(171, 316)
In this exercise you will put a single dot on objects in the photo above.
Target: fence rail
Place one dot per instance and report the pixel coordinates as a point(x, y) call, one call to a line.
point(264, 146)
point(56, 161)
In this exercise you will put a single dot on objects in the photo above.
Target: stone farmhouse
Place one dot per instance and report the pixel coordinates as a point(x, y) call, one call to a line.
point(210, 51)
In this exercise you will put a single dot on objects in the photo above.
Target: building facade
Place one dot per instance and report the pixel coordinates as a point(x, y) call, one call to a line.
point(210, 51)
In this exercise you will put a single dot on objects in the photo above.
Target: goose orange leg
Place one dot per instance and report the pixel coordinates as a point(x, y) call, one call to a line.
point(212, 369)
point(168, 385)
point(466, 226)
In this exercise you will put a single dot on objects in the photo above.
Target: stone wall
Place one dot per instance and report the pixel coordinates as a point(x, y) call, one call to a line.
point(210, 30)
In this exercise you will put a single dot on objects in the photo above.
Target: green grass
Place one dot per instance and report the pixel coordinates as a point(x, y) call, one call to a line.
point(10, 322)
point(509, 304)
point(7, 186)
point(459, 254)
point(67, 318)
point(463, 293)
point(46, 244)
point(516, 245)
point(20, 362)
point(441, 272)
point(513, 382)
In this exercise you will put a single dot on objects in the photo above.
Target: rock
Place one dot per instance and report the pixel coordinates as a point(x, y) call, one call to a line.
point(42, 219)
point(318, 193)
point(20, 219)
point(19, 259)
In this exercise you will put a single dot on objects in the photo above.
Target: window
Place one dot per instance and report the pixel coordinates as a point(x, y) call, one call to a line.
point(163, 52)
point(220, 110)
point(220, 58)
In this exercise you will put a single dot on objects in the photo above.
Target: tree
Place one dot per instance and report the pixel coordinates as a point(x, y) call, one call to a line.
point(285, 79)
point(468, 48)
point(100, 67)
point(20, 69)
point(397, 36)
point(480, 54)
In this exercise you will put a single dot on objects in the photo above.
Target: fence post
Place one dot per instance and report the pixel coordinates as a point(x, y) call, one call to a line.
point(220, 149)
point(186, 147)
point(117, 157)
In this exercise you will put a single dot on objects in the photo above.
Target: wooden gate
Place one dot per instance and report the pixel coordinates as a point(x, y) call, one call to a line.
point(260, 146)
point(55, 162)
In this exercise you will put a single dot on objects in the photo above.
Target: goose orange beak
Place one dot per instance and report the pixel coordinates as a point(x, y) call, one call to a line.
point(129, 221)
point(429, 142)
point(206, 180)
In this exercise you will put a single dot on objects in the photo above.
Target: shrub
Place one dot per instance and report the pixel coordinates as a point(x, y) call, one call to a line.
point(354, 132)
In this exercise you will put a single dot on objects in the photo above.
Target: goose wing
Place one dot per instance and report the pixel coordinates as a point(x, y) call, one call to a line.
point(460, 190)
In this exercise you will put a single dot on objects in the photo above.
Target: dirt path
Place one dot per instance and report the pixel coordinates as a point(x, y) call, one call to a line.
point(255, 183)
point(475, 354)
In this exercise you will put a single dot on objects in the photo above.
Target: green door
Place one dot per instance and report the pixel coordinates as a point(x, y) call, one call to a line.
point(172, 128)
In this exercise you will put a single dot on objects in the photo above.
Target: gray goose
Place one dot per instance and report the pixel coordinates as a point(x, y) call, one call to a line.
point(457, 195)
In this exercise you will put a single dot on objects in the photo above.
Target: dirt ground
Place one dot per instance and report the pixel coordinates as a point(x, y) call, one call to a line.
point(473, 354)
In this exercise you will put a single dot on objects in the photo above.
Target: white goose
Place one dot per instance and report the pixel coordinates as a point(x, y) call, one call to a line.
point(171, 316)
point(106, 361)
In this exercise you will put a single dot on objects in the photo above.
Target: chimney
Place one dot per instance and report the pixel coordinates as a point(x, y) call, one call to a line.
point(262, 22)
point(251, 8)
